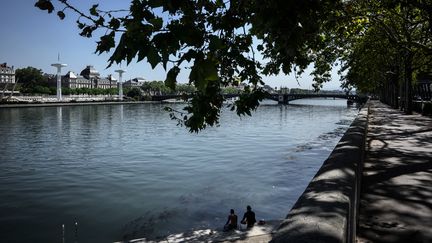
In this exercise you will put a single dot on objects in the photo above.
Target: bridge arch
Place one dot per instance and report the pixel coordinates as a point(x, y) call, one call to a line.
point(280, 98)
point(286, 98)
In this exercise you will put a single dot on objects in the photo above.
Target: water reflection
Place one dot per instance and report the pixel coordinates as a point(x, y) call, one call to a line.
point(59, 118)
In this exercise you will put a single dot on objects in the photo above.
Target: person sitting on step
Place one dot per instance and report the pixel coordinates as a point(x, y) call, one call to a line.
point(231, 222)
point(249, 217)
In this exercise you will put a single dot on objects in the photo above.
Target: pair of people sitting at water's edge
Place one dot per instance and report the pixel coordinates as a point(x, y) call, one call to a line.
point(248, 219)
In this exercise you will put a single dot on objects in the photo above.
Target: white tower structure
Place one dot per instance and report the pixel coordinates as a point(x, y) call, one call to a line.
point(59, 67)
point(120, 72)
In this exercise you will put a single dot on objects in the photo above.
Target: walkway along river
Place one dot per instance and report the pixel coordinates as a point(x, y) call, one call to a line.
point(126, 171)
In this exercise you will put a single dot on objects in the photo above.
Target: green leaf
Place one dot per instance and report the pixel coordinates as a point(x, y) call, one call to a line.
point(114, 23)
point(61, 15)
point(202, 72)
point(45, 5)
point(215, 43)
point(209, 70)
point(143, 50)
point(188, 56)
point(171, 78)
point(80, 25)
point(155, 3)
point(260, 47)
point(87, 31)
point(157, 23)
point(93, 10)
point(196, 78)
point(153, 57)
point(100, 21)
point(165, 58)
point(106, 43)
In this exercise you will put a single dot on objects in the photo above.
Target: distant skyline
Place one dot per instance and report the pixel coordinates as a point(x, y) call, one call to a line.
point(31, 37)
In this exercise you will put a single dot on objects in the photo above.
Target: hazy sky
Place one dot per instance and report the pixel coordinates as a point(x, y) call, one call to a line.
point(31, 37)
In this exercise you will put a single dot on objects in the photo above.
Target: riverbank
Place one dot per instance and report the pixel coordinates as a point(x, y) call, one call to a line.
point(326, 211)
point(48, 104)
point(259, 233)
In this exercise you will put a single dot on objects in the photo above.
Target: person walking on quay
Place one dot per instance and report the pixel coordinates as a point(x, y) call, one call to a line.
point(249, 217)
point(231, 222)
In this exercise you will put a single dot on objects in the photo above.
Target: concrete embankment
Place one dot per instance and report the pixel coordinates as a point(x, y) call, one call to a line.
point(327, 210)
point(259, 233)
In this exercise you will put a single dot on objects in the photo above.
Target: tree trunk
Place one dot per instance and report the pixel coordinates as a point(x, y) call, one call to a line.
point(408, 83)
point(396, 92)
point(402, 92)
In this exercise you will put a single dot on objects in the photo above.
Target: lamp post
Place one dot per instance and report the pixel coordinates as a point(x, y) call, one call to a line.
point(59, 67)
point(120, 72)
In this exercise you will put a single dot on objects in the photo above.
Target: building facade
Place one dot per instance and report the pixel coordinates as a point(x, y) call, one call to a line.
point(88, 78)
point(134, 83)
point(7, 74)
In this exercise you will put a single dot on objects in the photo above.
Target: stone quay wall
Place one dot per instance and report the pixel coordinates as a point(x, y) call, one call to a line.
point(327, 210)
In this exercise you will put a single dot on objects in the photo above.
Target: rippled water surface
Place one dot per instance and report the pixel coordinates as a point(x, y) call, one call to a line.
point(127, 171)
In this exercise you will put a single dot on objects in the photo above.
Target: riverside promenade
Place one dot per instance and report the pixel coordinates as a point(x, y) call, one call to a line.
point(396, 195)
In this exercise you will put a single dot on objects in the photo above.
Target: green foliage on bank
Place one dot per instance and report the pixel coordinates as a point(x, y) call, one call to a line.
point(88, 91)
point(31, 80)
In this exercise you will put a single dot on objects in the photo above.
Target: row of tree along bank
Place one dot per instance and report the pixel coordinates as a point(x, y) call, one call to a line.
point(390, 51)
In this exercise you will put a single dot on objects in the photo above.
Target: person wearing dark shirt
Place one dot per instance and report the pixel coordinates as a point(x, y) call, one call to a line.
point(249, 217)
point(232, 221)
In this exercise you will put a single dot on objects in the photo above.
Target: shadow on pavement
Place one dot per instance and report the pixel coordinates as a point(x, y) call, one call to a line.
point(396, 198)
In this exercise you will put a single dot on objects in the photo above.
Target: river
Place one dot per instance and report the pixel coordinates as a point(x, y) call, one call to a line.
point(127, 171)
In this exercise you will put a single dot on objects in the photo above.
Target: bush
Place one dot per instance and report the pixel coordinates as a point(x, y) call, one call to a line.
point(40, 90)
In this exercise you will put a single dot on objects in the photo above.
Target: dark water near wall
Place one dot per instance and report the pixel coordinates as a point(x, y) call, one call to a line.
point(126, 171)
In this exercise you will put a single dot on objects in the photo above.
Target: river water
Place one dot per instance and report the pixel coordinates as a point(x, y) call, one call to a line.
point(127, 171)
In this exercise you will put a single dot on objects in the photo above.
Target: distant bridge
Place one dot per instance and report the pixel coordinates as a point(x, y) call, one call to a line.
point(280, 98)
point(286, 98)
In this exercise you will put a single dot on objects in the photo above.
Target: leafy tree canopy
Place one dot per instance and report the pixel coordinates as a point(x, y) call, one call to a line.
point(220, 41)
point(31, 80)
point(29, 75)
point(156, 87)
point(391, 45)
point(134, 93)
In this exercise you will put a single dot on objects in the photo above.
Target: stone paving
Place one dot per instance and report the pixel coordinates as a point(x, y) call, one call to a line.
point(396, 196)
point(257, 234)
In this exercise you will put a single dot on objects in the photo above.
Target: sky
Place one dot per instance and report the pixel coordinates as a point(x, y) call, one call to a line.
point(32, 37)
